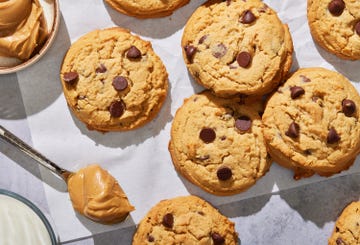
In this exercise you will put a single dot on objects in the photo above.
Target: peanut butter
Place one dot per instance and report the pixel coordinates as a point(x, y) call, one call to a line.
point(97, 195)
point(22, 28)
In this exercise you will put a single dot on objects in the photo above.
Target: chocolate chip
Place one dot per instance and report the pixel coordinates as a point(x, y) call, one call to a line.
point(207, 135)
point(244, 59)
point(120, 83)
point(219, 51)
point(333, 136)
point(224, 173)
point(202, 39)
point(151, 238)
point(305, 79)
point(357, 27)
point(71, 77)
point(168, 220)
point(307, 152)
point(217, 238)
point(243, 123)
point(336, 7)
point(348, 107)
point(133, 53)
point(228, 2)
point(296, 91)
point(190, 51)
point(117, 108)
point(293, 131)
point(223, 137)
point(247, 17)
point(101, 69)
point(340, 241)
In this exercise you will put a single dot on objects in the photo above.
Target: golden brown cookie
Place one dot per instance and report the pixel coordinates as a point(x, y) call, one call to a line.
point(335, 26)
point(237, 46)
point(347, 227)
point(185, 220)
point(218, 144)
point(113, 80)
point(311, 124)
point(146, 8)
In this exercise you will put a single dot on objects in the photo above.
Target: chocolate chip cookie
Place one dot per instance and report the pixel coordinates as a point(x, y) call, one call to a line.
point(237, 47)
point(335, 26)
point(113, 80)
point(311, 123)
point(146, 8)
point(347, 227)
point(217, 143)
point(185, 220)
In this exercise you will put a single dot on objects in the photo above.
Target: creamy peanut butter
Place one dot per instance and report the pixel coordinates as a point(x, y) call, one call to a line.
point(22, 28)
point(97, 195)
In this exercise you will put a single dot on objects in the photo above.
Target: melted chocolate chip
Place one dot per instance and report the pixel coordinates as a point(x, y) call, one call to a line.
point(247, 17)
point(305, 79)
point(296, 91)
point(340, 241)
point(207, 135)
point(117, 108)
point(217, 238)
point(133, 53)
point(151, 238)
point(219, 51)
point(244, 59)
point(243, 123)
point(120, 83)
point(348, 107)
point(70, 77)
point(224, 173)
point(190, 51)
point(357, 27)
point(202, 39)
point(168, 220)
point(101, 69)
point(336, 7)
point(333, 136)
point(293, 131)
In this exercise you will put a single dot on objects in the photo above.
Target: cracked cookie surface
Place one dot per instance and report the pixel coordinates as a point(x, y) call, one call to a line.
point(113, 80)
point(185, 220)
point(146, 8)
point(237, 46)
point(347, 226)
point(218, 144)
point(311, 123)
point(335, 25)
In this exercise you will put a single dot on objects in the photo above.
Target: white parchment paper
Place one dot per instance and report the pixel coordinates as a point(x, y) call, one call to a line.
point(139, 159)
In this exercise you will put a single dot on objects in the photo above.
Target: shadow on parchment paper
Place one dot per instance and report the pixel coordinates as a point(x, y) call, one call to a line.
point(11, 103)
point(132, 137)
point(102, 233)
point(348, 68)
point(323, 202)
point(40, 83)
point(155, 27)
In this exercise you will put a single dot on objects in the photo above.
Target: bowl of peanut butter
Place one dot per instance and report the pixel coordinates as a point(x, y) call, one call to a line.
point(27, 30)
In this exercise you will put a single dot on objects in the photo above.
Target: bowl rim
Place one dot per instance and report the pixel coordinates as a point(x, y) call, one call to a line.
point(36, 210)
point(44, 48)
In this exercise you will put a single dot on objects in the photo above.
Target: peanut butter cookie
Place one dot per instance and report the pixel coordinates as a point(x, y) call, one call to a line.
point(311, 124)
point(113, 80)
point(146, 8)
point(185, 220)
point(237, 46)
point(335, 25)
point(218, 144)
point(347, 227)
